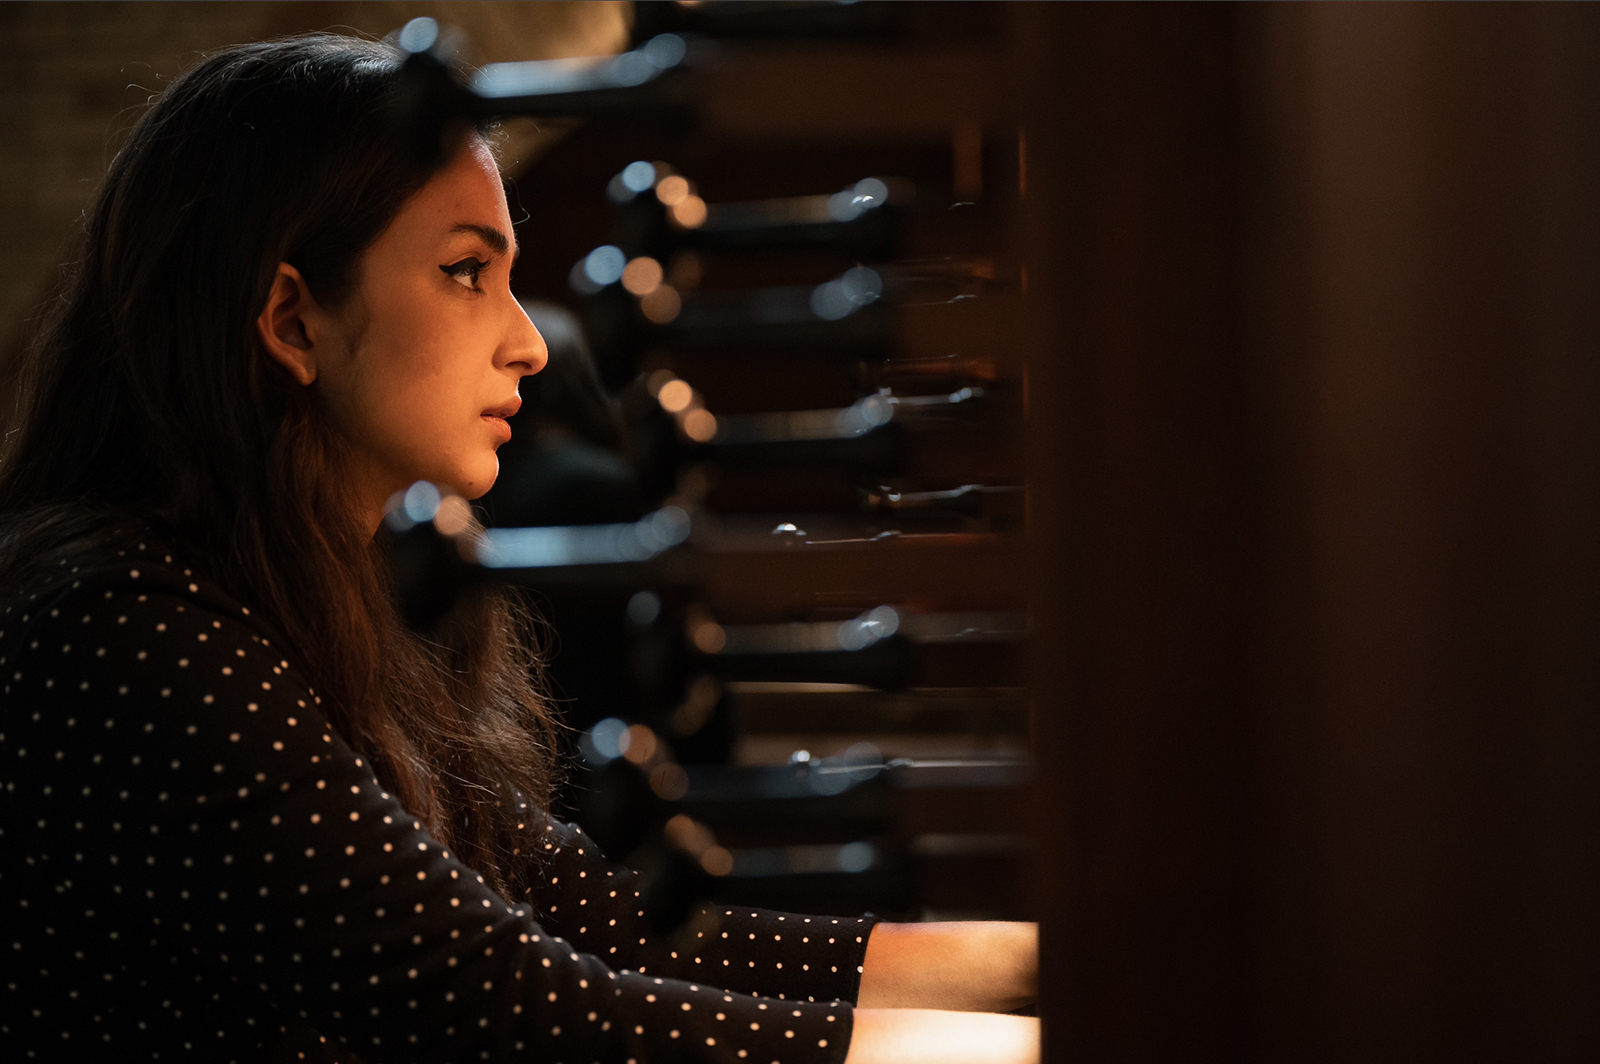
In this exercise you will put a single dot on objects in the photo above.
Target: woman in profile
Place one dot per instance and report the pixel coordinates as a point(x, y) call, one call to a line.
point(248, 815)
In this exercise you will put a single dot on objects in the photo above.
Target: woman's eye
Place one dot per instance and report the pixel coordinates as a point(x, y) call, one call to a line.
point(466, 271)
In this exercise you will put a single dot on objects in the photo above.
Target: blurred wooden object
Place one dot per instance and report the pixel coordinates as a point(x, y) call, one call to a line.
point(1312, 329)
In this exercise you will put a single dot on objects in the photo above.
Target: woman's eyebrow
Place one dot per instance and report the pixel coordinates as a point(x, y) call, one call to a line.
point(491, 236)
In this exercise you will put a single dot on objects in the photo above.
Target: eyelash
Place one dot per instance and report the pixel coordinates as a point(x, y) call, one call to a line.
point(472, 268)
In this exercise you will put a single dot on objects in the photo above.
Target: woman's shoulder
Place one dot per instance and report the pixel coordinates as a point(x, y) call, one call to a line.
point(138, 630)
point(47, 547)
point(131, 560)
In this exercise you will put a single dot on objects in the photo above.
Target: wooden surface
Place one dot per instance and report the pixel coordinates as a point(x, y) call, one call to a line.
point(1316, 483)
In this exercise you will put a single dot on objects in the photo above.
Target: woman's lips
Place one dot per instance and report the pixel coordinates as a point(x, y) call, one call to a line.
point(498, 415)
point(501, 427)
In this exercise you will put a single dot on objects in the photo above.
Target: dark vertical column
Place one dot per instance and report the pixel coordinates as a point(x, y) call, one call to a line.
point(1142, 513)
point(1313, 338)
point(1424, 321)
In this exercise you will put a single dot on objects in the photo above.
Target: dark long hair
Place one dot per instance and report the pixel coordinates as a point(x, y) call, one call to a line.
point(148, 393)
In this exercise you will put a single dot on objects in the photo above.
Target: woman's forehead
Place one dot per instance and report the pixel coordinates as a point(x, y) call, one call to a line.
point(467, 191)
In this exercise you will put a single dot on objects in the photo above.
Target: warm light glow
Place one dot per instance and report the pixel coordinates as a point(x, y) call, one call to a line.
point(717, 860)
point(690, 717)
point(669, 781)
point(658, 380)
point(689, 835)
point(700, 426)
point(690, 212)
point(662, 305)
point(680, 831)
point(675, 395)
point(454, 516)
point(642, 276)
point(641, 744)
point(673, 190)
point(708, 637)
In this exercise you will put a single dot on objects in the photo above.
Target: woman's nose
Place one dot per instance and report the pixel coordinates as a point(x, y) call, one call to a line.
point(524, 349)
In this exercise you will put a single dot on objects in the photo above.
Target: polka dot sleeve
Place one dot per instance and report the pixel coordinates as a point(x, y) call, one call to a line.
point(192, 859)
point(784, 955)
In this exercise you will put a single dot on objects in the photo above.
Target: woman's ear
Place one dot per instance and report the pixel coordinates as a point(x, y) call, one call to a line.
point(287, 332)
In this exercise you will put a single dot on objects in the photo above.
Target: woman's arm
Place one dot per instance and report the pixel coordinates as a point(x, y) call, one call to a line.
point(579, 894)
point(977, 966)
point(932, 1036)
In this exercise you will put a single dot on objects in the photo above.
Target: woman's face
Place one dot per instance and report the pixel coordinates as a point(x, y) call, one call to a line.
point(426, 354)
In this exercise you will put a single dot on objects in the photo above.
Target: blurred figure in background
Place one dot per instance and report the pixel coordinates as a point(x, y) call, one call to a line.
point(567, 462)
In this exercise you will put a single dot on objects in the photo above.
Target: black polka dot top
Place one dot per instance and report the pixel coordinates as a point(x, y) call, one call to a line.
point(195, 866)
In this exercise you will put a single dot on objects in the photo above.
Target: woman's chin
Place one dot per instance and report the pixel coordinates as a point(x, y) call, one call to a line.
point(477, 485)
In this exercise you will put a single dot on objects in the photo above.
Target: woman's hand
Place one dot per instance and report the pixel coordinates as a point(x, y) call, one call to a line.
point(932, 1036)
point(978, 966)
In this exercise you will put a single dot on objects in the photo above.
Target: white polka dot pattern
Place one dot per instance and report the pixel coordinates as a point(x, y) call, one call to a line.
point(745, 949)
point(194, 865)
